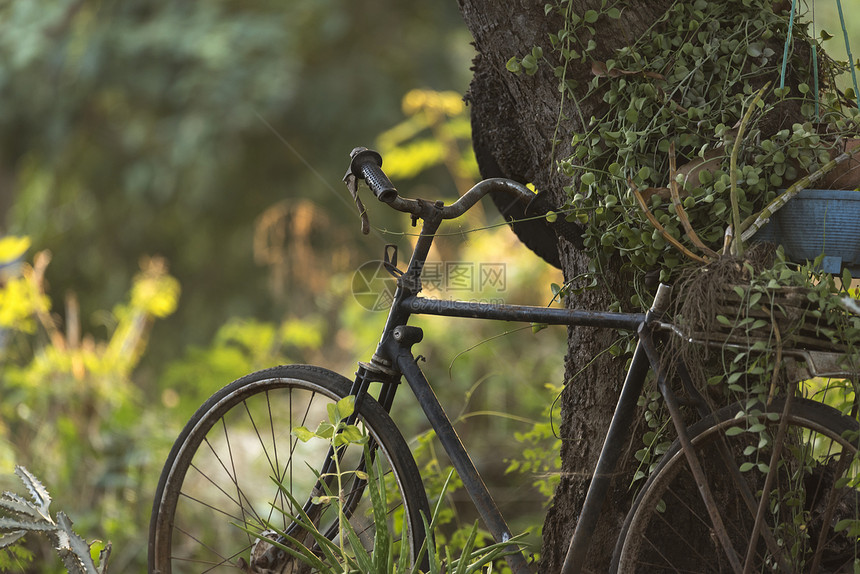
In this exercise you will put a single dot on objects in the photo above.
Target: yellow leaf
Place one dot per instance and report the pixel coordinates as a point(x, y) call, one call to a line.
point(12, 248)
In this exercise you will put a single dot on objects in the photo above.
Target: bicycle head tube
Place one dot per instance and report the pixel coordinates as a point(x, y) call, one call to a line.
point(661, 301)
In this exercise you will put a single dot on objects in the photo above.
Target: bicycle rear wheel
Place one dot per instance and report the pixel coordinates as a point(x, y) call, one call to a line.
point(223, 473)
point(668, 528)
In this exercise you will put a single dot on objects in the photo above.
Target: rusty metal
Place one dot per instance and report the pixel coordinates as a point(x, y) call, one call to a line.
point(524, 313)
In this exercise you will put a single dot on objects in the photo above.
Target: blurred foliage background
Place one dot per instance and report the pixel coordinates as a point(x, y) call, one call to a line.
point(172, 217)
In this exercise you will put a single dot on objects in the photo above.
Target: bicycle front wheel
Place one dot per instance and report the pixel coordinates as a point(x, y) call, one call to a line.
point(810, 519)
point(237, 466)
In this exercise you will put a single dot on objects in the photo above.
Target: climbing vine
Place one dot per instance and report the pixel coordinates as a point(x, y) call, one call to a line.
point(699, 129)
point(677, 94)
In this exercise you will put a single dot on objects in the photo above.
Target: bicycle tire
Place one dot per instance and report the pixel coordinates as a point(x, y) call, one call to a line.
point(668, 521)
point(219, 475)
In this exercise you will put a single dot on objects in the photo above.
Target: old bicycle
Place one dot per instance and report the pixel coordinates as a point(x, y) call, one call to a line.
point(236, 457)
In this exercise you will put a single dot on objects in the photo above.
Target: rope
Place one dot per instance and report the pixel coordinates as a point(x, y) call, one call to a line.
point(848, 49)
point(787, 43)
point(815, 53)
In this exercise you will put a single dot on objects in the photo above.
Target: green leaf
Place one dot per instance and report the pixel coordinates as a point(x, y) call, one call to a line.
point(37, 489)
point(513, 65)
point(591, 16)
point(734, 431)
point(325, 430)
point(352, 434)
point(842, 482)
point(26, 524)
point(551, 216)
point(360, 554)
point(844, 524)
point(529, 63)
point(747, 466)
point(345, 407)
point(303, 434)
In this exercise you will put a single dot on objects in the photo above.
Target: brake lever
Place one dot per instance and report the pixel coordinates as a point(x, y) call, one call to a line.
point(351, 182)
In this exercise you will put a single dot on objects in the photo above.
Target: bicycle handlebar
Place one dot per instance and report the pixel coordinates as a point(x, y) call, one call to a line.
point(482, 188)
point(366, 164)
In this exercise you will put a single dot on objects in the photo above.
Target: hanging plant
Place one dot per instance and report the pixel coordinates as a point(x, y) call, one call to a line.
point(709, 126)
point(679, 94)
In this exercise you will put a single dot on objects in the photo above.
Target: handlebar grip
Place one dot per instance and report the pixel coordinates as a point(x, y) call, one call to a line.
point(367, 164)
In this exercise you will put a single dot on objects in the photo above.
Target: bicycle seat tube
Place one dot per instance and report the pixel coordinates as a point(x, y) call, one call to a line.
point(615, 440)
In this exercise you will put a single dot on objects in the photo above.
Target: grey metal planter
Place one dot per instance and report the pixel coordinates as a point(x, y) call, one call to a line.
point(816, 222)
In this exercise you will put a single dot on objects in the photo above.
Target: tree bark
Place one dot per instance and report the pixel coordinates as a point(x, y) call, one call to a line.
point(515, 120)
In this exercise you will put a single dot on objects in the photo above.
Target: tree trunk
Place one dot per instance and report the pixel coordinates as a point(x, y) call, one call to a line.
point(515, 119)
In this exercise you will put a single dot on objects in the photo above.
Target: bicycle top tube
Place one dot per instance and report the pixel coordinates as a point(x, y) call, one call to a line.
point(501, 312)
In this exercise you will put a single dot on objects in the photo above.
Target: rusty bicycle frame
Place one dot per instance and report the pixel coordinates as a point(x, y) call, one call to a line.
point(393, 358)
